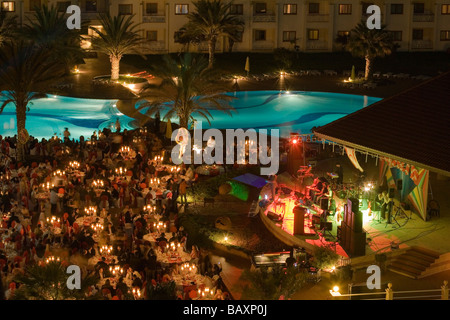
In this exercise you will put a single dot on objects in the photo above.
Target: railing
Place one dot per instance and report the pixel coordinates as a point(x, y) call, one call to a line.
point(422, 44)
point(204, 46)
point(423, 17)
point(264, 18)
point(157, 45)
point(154, 19)
point(263, 45)
point(317, 18)
point(316, 45)
point(389, 294)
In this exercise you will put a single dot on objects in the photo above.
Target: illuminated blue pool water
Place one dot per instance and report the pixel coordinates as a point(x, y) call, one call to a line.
point(296, 111)
point(290, 112)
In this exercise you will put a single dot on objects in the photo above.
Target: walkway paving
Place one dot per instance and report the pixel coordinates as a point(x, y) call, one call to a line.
point(82, 83)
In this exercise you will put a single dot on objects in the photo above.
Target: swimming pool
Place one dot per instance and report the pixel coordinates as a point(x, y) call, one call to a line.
point(51, 115)
point(296, 111)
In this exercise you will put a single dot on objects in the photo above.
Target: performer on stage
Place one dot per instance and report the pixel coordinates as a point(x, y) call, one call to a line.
point(386, 207)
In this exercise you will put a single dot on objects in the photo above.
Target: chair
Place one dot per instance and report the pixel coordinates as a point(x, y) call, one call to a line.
point(433, 209)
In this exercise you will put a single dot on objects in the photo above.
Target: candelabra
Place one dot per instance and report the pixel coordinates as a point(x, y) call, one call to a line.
point(52, 259)
point(98, 184)
point(90, 211)
point(106, 250)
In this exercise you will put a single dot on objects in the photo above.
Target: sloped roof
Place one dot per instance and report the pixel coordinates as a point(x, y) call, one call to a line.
point(412, 126)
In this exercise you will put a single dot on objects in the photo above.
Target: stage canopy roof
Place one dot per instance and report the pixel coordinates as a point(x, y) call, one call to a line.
point(412, 126)
point(251, 180)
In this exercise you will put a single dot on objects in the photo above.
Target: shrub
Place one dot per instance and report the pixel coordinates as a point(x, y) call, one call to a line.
point(325, 258)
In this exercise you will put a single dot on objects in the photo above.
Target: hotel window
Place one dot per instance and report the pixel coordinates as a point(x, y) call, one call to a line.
point(313, 34)
point(62, 6)
point(92, 33)
point(237, 9)
point(34, 4)
point(152, 35)
point(125, 9)
point(396, 8)
point(260, 35)
point(445, 9)
point(151, 8)
point(364, 6)
point(8, 6)
point(181, 9)
point(445, 35)
point(290, 9)
point(343, 34)
point(419, 8)
point(396, 35)
point(342, 37)
point(417, 34)
point(91, 6)
point(313, 8)
point(177, 36)
point(345, 9)
point(289, 36)
point(260, 8)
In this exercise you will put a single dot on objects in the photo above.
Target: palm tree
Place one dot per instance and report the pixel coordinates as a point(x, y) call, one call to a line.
point(116, 37)
point(23, 68)
point(369, 44)
point(188, 88)
point(8, 27)
point(270, 284)
point(48, 282)
point(212, 19)
point(47, 29)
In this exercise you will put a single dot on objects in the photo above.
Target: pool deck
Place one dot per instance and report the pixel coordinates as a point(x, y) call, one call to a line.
point(82, 83)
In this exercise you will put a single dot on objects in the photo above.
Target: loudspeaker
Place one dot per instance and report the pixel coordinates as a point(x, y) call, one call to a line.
point(299, 220)
point(328, 226)
point(358, 244)
point(399, 184)
point(391, 192)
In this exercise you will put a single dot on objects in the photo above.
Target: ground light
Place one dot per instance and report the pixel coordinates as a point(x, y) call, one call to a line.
point(335, 291)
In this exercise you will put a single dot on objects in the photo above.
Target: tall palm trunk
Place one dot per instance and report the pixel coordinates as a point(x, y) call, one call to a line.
point(183, 122)
point(211, 49)
point(21, 116)
point(115, 67)
point(368, 73)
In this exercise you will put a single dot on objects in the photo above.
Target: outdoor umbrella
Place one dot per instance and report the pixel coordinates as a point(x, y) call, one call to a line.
point(247, 65)
point(353, 75)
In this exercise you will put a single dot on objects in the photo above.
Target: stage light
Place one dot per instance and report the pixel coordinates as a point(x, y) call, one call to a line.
point(294, 141)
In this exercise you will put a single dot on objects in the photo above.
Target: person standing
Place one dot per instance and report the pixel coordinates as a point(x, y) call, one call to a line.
point(117, 125)
point(182, 191)
point(66, 135)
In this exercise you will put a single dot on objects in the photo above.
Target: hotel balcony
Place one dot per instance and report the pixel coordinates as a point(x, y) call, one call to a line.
point(317, 18)
point(316, 45)
point(204, 47)
point(263, 45)
point(422, 44)
point(259, 17)
point(423, 17)
point(156, 46)
point(153, 19)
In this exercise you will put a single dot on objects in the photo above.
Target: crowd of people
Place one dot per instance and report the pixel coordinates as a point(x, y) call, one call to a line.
point(108, 203)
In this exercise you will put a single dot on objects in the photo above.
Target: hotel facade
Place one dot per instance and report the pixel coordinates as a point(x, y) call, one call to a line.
point(306, 26)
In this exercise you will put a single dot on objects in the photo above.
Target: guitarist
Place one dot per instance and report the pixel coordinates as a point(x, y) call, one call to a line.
point(387, 204)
